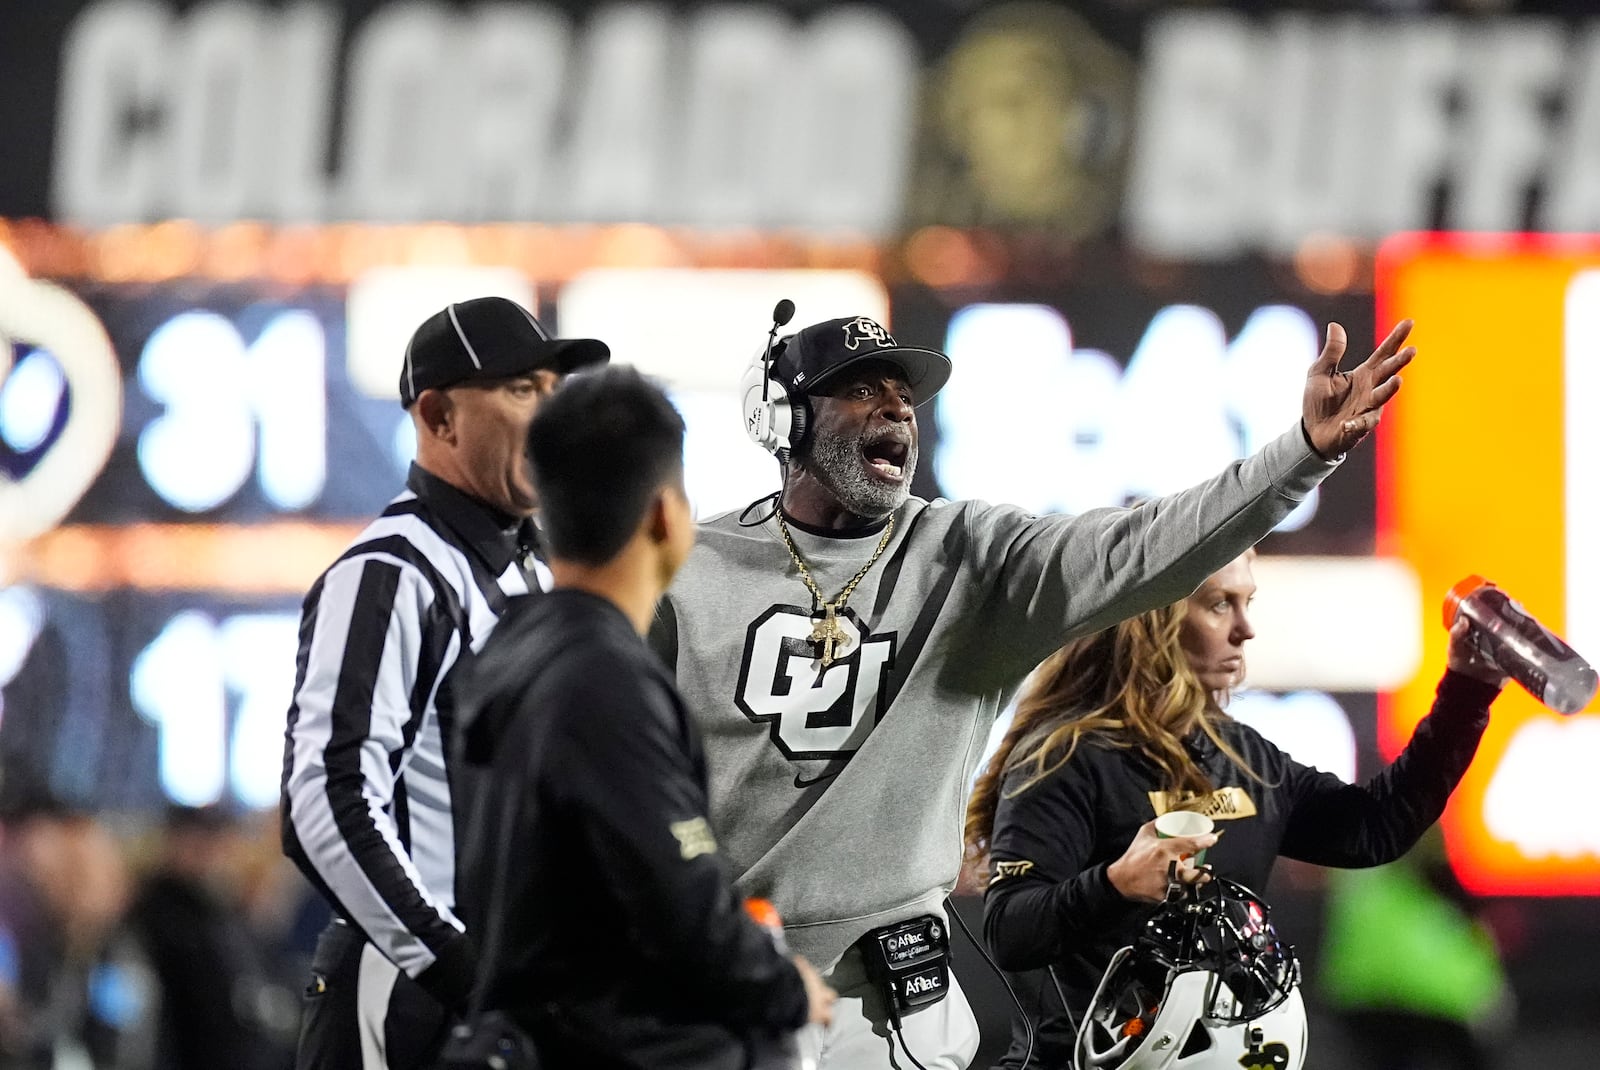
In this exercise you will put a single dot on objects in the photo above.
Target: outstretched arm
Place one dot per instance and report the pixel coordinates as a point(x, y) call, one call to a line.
point(1332, 823)
point(1054, 577)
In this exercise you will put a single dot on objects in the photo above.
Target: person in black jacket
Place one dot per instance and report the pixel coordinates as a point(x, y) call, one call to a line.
point(370, 812)
point(610, 930)
point(1126, 724)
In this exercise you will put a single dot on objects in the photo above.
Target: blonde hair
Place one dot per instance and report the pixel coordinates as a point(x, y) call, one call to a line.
point(1132, 688)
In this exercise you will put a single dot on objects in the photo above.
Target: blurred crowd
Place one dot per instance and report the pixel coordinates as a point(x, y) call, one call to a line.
point(178, 944)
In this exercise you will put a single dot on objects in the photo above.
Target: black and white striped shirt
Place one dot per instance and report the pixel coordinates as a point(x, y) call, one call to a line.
point(367, 811)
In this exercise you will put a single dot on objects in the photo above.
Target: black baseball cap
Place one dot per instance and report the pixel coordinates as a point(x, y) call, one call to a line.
point(818, 354)
point(487, 338)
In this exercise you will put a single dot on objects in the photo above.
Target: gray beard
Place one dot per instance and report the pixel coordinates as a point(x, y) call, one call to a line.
point(838, 465)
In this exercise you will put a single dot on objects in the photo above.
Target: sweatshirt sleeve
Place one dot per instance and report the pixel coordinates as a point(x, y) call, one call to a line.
point(1043, 896)
point(632, 795)
point(370, 641)
point(1332, 823)
point(1055, 577)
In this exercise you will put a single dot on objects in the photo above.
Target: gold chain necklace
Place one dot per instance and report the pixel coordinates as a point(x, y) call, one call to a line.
point(826, 632)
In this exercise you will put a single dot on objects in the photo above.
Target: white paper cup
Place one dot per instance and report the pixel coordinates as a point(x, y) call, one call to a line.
point(1175, 823)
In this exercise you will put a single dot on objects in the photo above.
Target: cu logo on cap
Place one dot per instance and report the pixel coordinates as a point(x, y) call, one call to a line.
point(861, 329)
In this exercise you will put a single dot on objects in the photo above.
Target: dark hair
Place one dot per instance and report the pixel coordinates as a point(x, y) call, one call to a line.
point(601, 447)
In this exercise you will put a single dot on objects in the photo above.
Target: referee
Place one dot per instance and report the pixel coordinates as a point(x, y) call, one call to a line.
point(367, 800)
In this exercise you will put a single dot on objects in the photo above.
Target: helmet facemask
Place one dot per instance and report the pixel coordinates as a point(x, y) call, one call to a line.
point(1207, 983)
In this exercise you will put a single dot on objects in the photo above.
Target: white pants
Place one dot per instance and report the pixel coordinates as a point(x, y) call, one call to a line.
point(941, 1037)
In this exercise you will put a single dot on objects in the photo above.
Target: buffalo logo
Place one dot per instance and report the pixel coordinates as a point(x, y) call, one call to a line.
point(1273, 1056)
point(863, 330)
point(813, 711)
point(1028, 123)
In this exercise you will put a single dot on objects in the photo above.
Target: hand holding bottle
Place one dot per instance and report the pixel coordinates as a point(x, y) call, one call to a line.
point(1466, 657)
point(1509, 639)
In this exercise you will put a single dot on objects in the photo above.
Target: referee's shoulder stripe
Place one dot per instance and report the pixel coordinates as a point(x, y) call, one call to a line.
point(412, 521)
point(405, 505)
point(448, 556)
point(439, 570)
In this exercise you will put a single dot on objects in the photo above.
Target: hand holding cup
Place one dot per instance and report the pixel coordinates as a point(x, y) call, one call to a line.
point(1175, 824)
point(1141, 872)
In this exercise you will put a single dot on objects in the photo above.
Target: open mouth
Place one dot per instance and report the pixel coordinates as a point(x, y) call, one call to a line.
point(887, 457)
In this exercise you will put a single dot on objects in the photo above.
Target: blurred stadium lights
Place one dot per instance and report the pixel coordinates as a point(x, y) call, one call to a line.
point(1308, 725)
point(384, 304)
point(296, 255)
point(340, 253)
point(1581, 388)
point(1331, 264)
point(281, 557)
point(1490, 466)
point(1311, 632)
point(948, 257)
point(1189, 401)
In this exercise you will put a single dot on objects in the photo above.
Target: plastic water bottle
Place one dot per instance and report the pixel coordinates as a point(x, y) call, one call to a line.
point(1521, 647)
point(786, 1055)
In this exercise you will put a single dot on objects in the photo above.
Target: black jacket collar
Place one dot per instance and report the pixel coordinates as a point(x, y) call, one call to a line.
point(497, 538)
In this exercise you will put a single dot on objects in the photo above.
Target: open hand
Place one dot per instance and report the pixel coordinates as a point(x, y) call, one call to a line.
point(1341, 408)
point(1141, 872)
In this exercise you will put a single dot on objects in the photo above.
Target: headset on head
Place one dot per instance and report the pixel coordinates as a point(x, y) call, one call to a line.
point(773, 420)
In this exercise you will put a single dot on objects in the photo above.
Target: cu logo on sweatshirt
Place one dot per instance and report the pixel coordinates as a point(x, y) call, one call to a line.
point(813, 712)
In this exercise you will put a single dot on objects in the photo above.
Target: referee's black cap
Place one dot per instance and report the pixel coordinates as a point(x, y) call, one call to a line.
point(487, 338)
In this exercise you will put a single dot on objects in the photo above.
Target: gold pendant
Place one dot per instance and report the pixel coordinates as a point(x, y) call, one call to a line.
point(826, 633)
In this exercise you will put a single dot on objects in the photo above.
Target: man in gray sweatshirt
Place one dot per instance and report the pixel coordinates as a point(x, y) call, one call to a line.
point(846, 651)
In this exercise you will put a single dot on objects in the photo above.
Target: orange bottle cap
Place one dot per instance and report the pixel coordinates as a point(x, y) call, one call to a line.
point(762, 912)
point(1459, 593)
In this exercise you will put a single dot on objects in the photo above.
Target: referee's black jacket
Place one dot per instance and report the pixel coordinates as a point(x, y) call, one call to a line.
point(608, 925)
